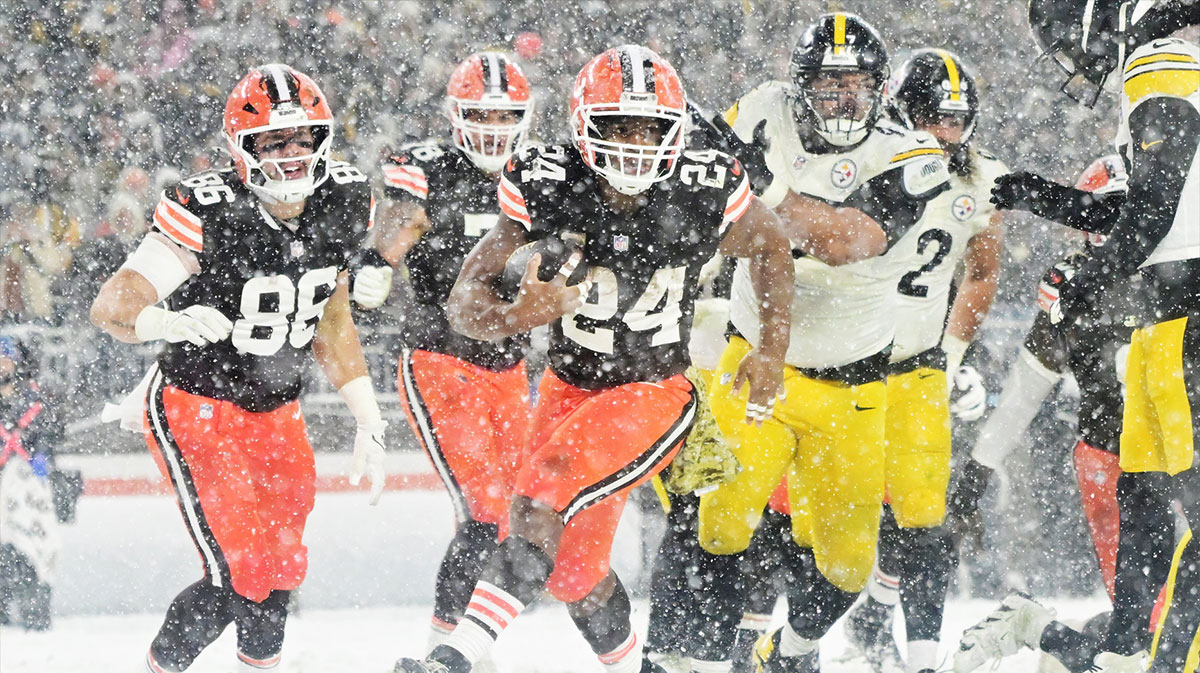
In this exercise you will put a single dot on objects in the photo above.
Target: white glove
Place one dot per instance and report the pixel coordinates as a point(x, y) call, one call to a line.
point(372, 285)
point(200, 325)
point(968, 396)
point(368, 458)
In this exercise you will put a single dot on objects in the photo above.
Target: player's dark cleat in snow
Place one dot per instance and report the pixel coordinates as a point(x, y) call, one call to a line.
point(769, 660)
point(441, 660)
point(869, 630)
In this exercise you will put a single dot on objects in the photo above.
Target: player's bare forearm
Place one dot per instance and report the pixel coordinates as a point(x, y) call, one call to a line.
point(121, 299)
point(978, 289)
point(401, 224)
point(473, 307)
point(835, 235)
point(335, 344)
point(759, 237)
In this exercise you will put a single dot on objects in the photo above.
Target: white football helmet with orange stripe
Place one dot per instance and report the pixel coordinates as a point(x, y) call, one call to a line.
point(486, 82)
point(628, 81)
point(271, 97)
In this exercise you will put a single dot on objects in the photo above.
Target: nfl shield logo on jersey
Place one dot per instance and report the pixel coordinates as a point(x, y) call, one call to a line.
point(297, 249)
point(963, 207)
point(799, 161)
point(206, 411)
point(621, 243)
point(843, 173)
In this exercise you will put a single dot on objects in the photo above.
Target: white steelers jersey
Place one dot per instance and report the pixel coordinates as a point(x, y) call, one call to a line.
point(951, 219)
point(839, 314)
point(1167, 67)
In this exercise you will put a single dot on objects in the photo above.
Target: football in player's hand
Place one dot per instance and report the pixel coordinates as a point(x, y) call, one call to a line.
point(555, 254)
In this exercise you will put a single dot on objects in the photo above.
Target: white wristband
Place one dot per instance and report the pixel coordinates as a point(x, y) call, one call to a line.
point(150, 323)
point(955, 349)
point(359, 395)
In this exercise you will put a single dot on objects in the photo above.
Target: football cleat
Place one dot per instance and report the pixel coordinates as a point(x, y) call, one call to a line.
point(1111, 662)
point(1017, 624)
point(870, 634)
point(442, 659)
point(768, 659)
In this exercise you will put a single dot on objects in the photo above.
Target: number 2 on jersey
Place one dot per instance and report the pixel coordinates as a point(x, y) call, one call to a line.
point(274, 310)
point(908, 284)
point(665, 288)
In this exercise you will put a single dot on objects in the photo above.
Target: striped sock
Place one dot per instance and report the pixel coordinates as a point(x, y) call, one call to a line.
point(626, 658)
point(753, 621)
point(439, 631)
point(153, 666)
point(883, 587)
point(249, 664)
point(490, 611)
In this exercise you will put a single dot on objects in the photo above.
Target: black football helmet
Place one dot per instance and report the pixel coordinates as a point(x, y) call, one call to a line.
point(839, 43)
point(1089, 39)
point(929, 85)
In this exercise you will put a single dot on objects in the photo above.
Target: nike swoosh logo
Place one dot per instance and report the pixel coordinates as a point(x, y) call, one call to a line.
point(1146, 145)
point(925, 376)
point(858, 408)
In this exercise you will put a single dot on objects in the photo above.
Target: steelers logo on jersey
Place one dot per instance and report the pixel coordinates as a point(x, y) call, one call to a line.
point(843, 173)
point(963, 207)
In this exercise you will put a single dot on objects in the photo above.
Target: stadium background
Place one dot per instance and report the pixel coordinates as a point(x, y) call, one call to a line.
point(105, 102)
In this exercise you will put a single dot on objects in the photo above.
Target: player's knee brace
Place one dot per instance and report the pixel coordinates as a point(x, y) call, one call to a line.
point(195, 619)
point(520, 568)
point(604, 625)
point(465, 558)
point(260, 626)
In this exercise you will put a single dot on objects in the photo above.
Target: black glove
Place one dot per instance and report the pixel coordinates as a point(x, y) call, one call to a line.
point(720, 135)
point(962, 508)
point(1023, 190)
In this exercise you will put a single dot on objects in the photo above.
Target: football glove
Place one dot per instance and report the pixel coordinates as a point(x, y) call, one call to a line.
point(196, 324)
point(720, 135)
point(368, 457)
point(372, 285)
point(1023, 190)
point(968, 396)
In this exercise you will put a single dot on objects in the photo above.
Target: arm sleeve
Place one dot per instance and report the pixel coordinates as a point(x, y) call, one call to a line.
point(1164, 133)
point(1027, 385)
point(162, 261)
point(888, 199)
point(1078, 209)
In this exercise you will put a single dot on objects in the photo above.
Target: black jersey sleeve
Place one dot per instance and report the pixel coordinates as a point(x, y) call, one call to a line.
point(1164, 133)
point(406, 171)
point(1049, 200)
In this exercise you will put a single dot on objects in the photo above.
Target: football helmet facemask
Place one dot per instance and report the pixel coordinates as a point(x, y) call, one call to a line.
point(482, 83)
point(614, 89)
point(270, 98)
point(840, 108)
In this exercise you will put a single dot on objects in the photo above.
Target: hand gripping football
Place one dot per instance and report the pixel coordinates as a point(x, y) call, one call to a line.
point(555, 253)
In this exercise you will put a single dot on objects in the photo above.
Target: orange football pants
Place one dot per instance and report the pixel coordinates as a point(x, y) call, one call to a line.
point(472, 423)
point(588, 449)
point(245, 483)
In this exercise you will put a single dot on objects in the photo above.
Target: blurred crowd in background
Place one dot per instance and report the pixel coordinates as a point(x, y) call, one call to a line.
point(106, 102)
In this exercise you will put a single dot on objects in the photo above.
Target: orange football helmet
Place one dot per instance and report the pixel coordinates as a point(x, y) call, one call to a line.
point(484, 82)
point(271, 97)
point(1104, 176)
point(628, 81)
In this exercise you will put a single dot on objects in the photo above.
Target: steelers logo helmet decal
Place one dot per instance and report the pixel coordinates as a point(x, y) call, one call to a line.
point(963, 207)
point(843, 174)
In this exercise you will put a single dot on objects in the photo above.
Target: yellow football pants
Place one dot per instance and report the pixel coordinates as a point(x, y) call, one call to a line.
point(1157, 433)
point(917, 467)
point(828, 438)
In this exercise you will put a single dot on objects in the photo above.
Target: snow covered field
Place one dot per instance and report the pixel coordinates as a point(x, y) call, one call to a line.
point(366, 601)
